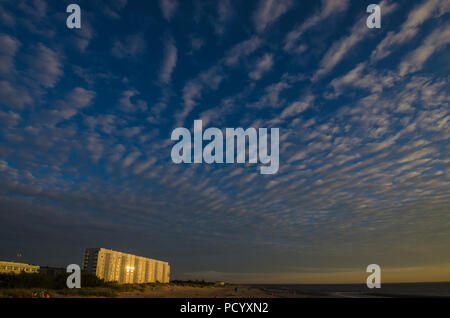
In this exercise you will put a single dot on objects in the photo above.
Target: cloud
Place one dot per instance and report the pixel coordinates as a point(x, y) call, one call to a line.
point(81, 38)
point(271, 98)
point(132, 46)
point(168, 8)
point(365, 78)
point(37, 9)
point(77, 99)
point(377, 146)
point(9, 118)
point(409, 28)
point(128, 105)
point(340, 48)
point(105, 123)
point(212, 77)
point(224, 14)
point(144, 165)
point(196, 43)
point(45, 66)
point(8, 48)
point(6, 18)
point(13, 97)
point(297, 107)
point(329, 7)
point(118, 4)
point(209, 79)
point(417, 155)
point(95, 146)
point(434, 42)
point(112, 8)
point(241, 50)
point(131, 158)
point(261, 66)
point(268, 11)
point(170, 61)
point(191, 91)
point(359, 168)
point(131, 131)
point(351, 77)
point(80, 97)
point(218, 113)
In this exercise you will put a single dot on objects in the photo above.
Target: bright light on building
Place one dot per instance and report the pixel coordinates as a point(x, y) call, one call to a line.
point(125, 268)
point(16, 268)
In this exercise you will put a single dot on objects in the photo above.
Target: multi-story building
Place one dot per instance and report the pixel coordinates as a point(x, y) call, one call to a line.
point(125, 268)
point(16, 268)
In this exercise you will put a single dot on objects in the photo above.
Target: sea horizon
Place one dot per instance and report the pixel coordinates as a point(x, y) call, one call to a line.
point(410, 289)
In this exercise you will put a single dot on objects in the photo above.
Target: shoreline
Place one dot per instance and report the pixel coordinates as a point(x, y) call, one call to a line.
point(180, 290)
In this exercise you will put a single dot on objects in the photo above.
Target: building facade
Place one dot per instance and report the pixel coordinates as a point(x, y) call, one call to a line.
point(16, 268)
point(124, 268)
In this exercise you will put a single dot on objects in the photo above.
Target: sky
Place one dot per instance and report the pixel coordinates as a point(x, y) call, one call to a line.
point(87, 114)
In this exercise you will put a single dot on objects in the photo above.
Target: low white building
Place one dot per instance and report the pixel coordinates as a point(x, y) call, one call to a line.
point(16, 268)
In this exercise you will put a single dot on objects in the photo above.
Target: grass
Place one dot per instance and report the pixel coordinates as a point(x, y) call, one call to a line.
point(16, 293)
point(88, 291)
point(23, 285)
point(38, 280)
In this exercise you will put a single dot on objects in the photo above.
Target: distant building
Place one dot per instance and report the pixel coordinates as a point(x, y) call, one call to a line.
point(52, 271)
point(16, 268)
point(125, 268)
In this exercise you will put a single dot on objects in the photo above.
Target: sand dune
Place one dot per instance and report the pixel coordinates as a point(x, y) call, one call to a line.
point(175, 291)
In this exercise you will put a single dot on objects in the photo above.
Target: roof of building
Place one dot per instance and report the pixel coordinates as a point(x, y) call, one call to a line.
point(111, 250)
point(17, 263)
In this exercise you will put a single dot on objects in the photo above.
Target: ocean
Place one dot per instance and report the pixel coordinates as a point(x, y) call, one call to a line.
point(361, 290)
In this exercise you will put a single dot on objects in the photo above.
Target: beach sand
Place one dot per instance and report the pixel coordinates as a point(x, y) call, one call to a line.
point(176, 291)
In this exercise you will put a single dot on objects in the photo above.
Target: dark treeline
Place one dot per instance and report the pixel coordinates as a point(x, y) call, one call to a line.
point(38, 280)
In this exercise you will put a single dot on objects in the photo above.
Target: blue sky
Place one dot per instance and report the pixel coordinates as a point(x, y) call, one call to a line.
point(86, 117)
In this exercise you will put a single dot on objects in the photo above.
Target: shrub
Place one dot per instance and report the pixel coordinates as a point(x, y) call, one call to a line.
point(38, 280)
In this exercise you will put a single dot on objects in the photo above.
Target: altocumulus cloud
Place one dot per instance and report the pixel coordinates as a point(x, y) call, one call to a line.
point(86, 122)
